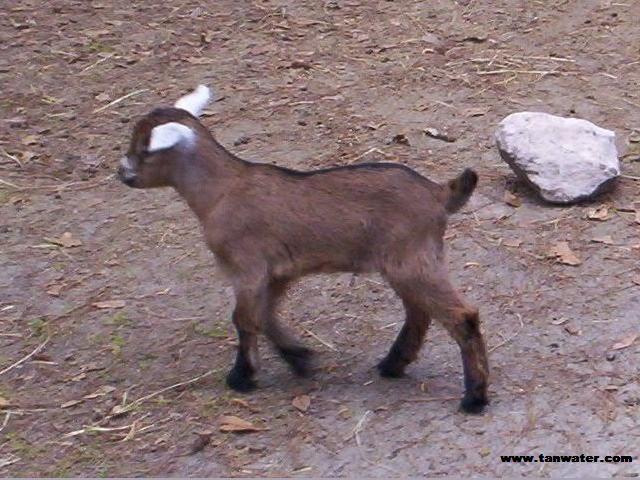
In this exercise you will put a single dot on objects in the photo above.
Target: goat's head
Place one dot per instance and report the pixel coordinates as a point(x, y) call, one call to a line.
point(160, 139)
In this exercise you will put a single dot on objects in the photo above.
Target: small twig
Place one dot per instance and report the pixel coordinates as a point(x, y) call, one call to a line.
point(90, 429)
point(98, 429)
point(555, 59)
point(24, 359)
point(371, 150)
point(389, 326)
point(10, 460)
point(118, 100)
point(630, 177)
point(430, 399)
point(12, 185)
point(526, 72)
point(63, 186)
point(6, 420)
point(141, 400)
point(324, 342)
point(95, 64)
point(358, 428)
point(27, 411)
point(507, 340)
point(12, 157)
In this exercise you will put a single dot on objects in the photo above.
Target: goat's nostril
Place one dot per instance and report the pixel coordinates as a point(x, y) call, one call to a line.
point(126, 176)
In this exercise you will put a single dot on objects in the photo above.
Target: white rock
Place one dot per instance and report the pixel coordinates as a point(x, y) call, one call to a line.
point(564, 159)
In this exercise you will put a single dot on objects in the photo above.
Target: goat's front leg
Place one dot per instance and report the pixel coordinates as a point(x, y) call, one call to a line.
point(247, 319)
point(296, 355)
point(407, 345)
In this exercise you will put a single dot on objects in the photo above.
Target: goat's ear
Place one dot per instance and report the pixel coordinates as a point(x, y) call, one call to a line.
point(195, 101)
point(169, 135)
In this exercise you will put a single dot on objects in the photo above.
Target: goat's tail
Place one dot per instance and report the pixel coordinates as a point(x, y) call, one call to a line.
point(460, 189)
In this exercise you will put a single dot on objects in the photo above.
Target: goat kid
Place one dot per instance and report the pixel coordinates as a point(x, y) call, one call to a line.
point(269, 225)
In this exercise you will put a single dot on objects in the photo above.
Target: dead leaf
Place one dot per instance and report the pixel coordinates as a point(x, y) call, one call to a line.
point(515, 243)
point(375, 126)
point(400, 139)
point(109, 304)
point(302, 402)
point(245, 404)
point(572, 330)
point(103, 97)
point(206, 37)
point(472, 264)
point(611, 388)
point(101, 392)
point(30, 140)
point(96, 33)
point(70, 403)
point(606, 239)
point(626, 341)
point(511, 199)
point(636, 279)
point(345, 413)
point(118, 410)
point(564, 254)
point(42, 357)
point(26, 156)
point(200, 442)
point(638, 216)
point(231, 423)
point(476, 112)
point(54, 290)
point(132, 431)
point(300, 64)
point(437, 134)
point(239, 401)
point(66, 240)
point(199, 60)
point(78, 377)
point(560, 321)
point(484, 452)
point(600, 213)
point(4, 403)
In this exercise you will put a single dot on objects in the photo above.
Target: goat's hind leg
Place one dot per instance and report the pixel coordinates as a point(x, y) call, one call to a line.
point(430, 289)
point(407, 345)
point(463, 324)
point(296, 355)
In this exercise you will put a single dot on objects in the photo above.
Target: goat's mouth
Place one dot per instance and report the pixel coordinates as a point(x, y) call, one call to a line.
point(127, 177)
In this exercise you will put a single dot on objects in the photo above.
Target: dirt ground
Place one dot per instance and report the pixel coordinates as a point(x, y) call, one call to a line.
point(105, 331)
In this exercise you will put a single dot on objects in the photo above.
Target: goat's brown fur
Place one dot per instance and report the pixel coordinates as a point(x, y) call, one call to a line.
point(269, 226)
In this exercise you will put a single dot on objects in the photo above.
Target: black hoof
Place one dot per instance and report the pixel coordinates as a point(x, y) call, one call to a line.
point(472, 404)
point(299, 359)
point(240, 381)
point(390, 368)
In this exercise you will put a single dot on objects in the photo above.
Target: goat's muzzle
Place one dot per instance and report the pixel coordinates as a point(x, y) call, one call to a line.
point(126, 174)
point(127, 177)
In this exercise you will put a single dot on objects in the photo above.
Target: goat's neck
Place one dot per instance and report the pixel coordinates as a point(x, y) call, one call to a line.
point(203, 177)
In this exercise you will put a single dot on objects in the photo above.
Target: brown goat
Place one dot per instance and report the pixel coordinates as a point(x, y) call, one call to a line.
point(269, 225)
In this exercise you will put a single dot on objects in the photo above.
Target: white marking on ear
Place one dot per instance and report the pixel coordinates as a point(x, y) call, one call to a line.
point(168, 135)
point(195, 101)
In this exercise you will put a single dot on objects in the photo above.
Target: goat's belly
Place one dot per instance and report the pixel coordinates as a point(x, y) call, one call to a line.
point(314, 262)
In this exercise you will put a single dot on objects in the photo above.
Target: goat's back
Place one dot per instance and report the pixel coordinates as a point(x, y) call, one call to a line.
point(346, 218)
